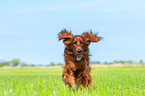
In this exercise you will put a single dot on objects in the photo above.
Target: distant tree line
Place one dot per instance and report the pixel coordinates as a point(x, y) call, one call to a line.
point(16, 62)
point(118, 62)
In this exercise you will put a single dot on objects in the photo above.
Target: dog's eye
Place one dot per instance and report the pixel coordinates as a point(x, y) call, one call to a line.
point(75, 43)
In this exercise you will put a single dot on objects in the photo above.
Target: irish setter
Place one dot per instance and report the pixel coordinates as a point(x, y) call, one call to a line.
point(76, 53)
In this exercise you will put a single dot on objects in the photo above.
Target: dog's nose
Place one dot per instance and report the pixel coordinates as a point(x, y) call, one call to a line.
point(79, 51)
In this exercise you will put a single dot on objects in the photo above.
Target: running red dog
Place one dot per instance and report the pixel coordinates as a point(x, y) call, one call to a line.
point(76, 54)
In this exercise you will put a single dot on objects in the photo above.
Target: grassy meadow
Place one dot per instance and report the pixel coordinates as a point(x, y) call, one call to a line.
point(123, 81)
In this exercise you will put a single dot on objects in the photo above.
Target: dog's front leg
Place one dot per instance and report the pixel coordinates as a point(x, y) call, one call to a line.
point(68, 77)
point(84, 78)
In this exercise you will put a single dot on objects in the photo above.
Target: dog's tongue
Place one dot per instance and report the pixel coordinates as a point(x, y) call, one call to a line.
point(78, 58)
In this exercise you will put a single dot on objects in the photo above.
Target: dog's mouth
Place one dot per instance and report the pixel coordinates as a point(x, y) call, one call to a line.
point(78, 57)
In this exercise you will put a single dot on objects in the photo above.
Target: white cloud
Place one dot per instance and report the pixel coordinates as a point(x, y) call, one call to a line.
point(90, 6)
point(98, 6)
point(17, 11)
point(82, 6)
point(22, 11)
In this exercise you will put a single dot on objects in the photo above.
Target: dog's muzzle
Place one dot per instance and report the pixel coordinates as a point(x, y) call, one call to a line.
point(79, 57)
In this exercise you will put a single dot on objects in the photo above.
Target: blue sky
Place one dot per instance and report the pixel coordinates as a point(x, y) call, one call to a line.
point(29, 28)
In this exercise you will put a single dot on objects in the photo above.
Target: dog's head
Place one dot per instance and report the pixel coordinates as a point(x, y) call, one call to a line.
point(78, 44)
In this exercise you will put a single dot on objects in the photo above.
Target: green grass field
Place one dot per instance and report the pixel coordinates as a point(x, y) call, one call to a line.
point(124, 81)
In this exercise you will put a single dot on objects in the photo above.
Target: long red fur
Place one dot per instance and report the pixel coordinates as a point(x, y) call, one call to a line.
point(75, 72)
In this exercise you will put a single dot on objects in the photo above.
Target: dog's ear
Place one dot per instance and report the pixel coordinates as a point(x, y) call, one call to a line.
point(90, 37)
point(66, 36)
